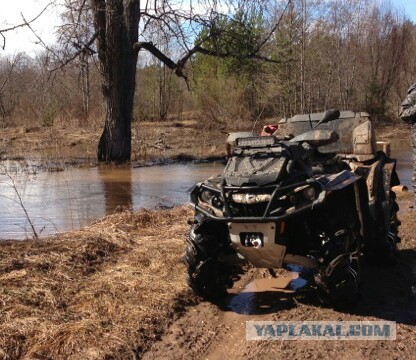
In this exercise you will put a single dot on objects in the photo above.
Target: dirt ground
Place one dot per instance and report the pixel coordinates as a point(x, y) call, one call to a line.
point(152, 142)
point(116, 290)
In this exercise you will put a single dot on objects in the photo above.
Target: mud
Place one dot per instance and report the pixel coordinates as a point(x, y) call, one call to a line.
point(217, 331)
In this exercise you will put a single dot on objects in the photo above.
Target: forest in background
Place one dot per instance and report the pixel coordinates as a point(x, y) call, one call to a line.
point(342, 54)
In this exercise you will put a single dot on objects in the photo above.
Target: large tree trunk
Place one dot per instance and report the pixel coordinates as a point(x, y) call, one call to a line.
point(116, 23)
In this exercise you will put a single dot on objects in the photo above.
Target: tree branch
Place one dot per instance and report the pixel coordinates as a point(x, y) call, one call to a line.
point(84, 48)
point(178, 66)
point(23, 24)
point(150, 47)
point(275, 27)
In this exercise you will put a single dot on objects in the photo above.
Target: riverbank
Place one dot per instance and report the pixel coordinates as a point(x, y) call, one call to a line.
point(153, 142)
point(116, 289)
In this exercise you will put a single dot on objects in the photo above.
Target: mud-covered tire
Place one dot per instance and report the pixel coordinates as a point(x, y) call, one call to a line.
point(338, 280)
point(392, 238)
point(207, 276)
point(340, 289)
point(387, 253)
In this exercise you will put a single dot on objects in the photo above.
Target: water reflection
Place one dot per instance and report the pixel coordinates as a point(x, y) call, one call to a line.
point(404, 164)
point(118, 187)
point(263, 296)
point(67, 200)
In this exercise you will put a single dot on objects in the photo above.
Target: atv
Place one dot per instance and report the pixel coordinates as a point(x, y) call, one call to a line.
point(316, 194)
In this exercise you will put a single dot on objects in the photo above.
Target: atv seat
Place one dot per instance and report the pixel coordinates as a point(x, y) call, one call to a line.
point(356, 133)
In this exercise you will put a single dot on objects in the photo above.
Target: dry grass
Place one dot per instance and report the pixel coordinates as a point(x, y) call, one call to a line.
point(111, 289)
point(151, 141)
point(187, 138)
point(105, 291)
point(49, 143)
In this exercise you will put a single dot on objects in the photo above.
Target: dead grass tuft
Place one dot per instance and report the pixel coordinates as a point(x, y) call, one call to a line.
point(105, 291)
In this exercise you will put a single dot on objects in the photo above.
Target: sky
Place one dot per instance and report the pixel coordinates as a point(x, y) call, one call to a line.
point(408, 6)
point(23, 39)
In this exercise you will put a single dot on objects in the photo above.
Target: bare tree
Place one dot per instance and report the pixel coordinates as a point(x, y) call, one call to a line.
point(116, 24)
point(118, 41)
point(76, 32)
point(386, 42)
point(3, 82)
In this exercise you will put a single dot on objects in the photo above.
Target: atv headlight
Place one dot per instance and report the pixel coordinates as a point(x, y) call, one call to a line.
point(302, 193)
point(211, 199)
point(206, 196)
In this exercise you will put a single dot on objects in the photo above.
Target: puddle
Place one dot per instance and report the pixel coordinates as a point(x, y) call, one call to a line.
point(403, 155)
point(264, 295)
point(271, 294)
point(67, 200)
point(304, 274)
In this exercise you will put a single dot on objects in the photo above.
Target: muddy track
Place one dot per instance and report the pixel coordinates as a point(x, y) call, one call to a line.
point(203, 328)
point(217, 331)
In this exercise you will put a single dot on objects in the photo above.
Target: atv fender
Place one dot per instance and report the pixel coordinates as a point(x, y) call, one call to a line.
point(339, 187)
point(380, 176)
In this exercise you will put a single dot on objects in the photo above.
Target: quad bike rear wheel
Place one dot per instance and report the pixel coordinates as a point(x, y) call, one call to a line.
point(384, 250)
point(389, 250)
point(339, 278)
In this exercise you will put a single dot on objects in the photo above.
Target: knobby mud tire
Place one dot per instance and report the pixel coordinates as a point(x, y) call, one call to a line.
point(341, 287)
point(382, 250)
point(207, 276)
point(393, 238)
point(387, 253)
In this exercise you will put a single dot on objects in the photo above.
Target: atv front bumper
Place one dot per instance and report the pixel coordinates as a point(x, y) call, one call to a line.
point(268, 215)
point(278, 208)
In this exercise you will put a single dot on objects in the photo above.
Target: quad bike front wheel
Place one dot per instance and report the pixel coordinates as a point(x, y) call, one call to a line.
point(207, 276)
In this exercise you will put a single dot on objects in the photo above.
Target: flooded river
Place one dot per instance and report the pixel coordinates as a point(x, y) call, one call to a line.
point(66, 200)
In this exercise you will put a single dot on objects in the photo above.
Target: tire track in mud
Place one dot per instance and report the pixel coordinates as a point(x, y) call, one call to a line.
point(256, 300)
point(208, 331)
point(195, 331)
point(217, 332)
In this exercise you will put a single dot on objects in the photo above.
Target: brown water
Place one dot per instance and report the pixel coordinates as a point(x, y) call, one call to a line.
point(66, 200)
point(403, 155)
